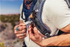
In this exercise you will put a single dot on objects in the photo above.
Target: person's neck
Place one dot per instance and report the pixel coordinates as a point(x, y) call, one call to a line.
point(28, 5)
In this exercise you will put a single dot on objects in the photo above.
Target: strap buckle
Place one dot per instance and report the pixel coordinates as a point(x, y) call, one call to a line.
point(47, 35)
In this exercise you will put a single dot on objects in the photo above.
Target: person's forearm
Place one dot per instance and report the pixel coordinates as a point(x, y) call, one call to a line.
point(61, 40)
point(66, 29)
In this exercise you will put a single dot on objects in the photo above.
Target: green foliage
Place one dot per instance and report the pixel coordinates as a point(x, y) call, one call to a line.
point(13, 23)
point(10, 18)
point(16, 41)
point(6, 25)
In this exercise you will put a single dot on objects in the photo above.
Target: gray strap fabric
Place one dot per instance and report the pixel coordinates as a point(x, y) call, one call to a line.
point(68, 3)
point(38, 20)
point(37, 5)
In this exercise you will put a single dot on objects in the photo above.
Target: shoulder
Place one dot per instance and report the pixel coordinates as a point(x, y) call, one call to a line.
point(57, 12)
point(56, 7)
point(51, 2)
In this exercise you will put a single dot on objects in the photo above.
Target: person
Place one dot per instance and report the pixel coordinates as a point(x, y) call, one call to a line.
point(55, 15)
point(27, 7)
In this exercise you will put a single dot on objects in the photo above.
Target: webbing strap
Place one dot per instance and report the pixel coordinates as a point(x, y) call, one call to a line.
point(68, 3)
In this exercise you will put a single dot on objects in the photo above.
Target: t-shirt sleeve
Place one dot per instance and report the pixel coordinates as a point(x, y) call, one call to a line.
point(58, 13)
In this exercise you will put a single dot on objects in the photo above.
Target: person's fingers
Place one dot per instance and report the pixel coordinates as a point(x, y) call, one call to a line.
point(18, 27)
point(16, 32)
point(31, 36)
point(30, 33)
point(36, 32)
point(15, 27)
point(22, 24)
point(23, 31)
point(32, 25)
point(22, 27)
point(19, 32)
point(20, 35)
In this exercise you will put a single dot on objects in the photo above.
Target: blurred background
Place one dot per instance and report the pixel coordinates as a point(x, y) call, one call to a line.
point(9, 17)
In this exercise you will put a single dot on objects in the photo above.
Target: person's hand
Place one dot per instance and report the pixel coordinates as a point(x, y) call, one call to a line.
point(34, 35)
point(20, 30)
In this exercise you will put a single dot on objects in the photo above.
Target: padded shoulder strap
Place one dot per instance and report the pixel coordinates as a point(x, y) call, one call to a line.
point(37, 5)
point(68, 3)
point(38, 21)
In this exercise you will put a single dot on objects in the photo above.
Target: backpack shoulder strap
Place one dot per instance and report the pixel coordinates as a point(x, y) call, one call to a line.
point(37, 5)
point(38, 21)
point(68, 3)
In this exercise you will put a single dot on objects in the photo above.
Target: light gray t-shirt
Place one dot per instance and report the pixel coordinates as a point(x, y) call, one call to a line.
point(55, 15)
